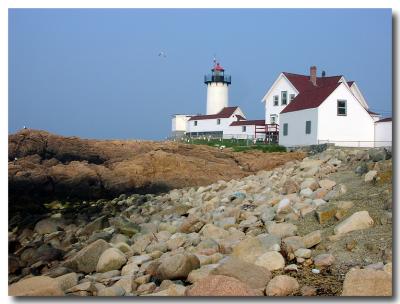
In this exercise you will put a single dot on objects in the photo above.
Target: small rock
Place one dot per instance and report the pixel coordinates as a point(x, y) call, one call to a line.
point(303, 253)
point(219, 285)
point(282, 285)
point(177, 266)
point(370, 176)
point(358, 220)
point(290, 268)
point(86, 259)
point(36, 286)
point(327, 184)
point(311, 239)
point(111, 259)
point(271, 260)
point(308, 291)
point(282, 229)
point(326, 213)
point(253, 275)
point(146, 288)
point(113, 291)
point(324, 260)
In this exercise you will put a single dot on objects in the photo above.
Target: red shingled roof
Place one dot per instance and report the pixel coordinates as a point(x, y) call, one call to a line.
point(310, 98)
point(260, 122)
point(385, 120)
point(224, 113)
point(240, 117)
point(302, 83)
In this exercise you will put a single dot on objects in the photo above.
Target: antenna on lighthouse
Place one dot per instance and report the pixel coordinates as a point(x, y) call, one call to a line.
point(215, 59)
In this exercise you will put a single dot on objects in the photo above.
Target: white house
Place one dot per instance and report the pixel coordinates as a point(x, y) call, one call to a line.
point(312, 110)
point(383, 132)
point(220, 120)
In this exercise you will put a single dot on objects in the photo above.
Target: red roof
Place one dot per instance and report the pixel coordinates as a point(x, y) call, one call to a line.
point(302, 82)
point(311, 98)
point(240, 117)
point(217, 67)
point(224, 113)
point(260, 122)
point(385, 119)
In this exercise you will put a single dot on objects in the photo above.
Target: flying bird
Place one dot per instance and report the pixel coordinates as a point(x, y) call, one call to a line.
point(162, 54)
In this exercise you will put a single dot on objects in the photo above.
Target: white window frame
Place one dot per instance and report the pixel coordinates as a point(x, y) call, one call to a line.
point(309, 129)
point(276, 100)
point(282, 99)
point(345, 107)
point(273, 118)
point(285, 128)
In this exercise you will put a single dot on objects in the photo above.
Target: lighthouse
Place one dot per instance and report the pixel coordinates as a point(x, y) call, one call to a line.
point(217, 89)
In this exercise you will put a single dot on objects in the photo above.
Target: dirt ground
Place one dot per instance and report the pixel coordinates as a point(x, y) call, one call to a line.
point(369, 244)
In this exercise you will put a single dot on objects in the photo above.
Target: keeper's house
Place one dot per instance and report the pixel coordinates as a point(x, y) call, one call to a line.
point(313, 110)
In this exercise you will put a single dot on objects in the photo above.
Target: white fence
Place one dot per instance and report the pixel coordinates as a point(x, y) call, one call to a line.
point(357, 143)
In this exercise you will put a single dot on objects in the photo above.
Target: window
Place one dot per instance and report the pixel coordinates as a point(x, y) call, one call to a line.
point(285, 129)
point(308, 127)
point(291, 97)
point(195, 122)
point(341, 107)
point(273, 119)
point(243, 128)
point(284, 97)
point(218, 121)
point(276, 100)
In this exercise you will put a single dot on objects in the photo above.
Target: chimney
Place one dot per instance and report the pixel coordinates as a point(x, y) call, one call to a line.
point(323, 74)
point(313, 75)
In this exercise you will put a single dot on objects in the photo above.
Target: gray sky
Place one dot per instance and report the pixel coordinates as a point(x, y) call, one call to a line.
point(96, 73)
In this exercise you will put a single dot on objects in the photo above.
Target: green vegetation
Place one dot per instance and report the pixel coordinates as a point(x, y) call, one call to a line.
point(264, 148)
point(238, 145)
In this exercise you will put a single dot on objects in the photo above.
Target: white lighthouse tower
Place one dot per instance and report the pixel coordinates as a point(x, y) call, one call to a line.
point(217, 89)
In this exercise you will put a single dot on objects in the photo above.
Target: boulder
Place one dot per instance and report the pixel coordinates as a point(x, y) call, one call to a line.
point(290, 186)
point(39, 286)
point(271, 260)
point(254, 276)
point(191, 224)
point(219, 285)
point(112, 291)
point(251, 248)
point(48, 225)
point(327, 184)
point(282, 285)
point(146, 288)
point(111, 259)
point(367, 282)
point(214, 232)
point(68, 280)
point(358, 220)
point(325, 213)
point(86, 259)
point(173, 290)
point(177, 266)
point(204, 271)
point(282, 229)
point(311, 239)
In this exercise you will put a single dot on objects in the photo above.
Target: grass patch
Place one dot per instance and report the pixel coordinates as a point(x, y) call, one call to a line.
point(263, 148)
point(239, 145)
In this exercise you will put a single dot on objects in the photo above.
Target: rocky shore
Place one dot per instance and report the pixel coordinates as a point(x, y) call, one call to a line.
point(321, 225)
point(44, 167)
